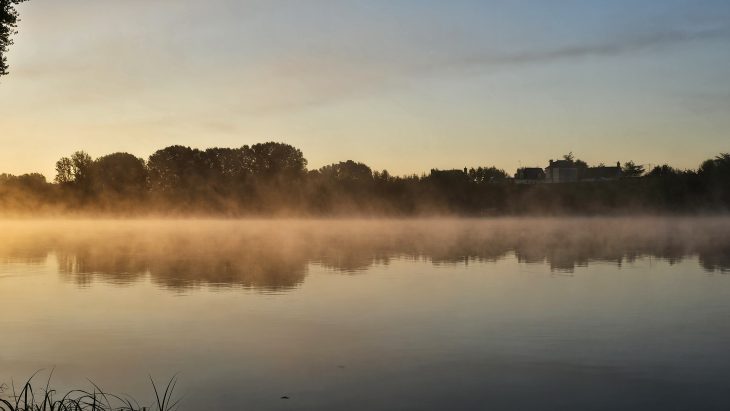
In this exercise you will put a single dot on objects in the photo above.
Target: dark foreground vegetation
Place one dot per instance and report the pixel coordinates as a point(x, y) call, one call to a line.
point(273, 179)
point(44, 398)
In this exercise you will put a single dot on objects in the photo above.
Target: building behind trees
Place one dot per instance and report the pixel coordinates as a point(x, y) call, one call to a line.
point(270, 179)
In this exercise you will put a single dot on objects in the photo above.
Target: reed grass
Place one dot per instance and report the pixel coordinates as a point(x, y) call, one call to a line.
point(32, 398)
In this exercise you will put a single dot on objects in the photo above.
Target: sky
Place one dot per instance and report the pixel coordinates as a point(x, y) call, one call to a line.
point(402, 85)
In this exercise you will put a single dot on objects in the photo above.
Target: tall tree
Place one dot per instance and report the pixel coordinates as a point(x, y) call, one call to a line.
point(226, 164)
point(120, 174)
point(76, 173)
point(630, 169)
point(578, 163)
point(74, 170)
point(276, 161)
point(8, 24)
point(175, 169)
point(715, 174)
point(348, 172)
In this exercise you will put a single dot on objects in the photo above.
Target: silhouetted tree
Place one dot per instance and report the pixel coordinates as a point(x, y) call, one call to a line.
point(75, 171)
point(632, 170)
point(120, 174)
point(383, 176)
point(276, 160)
point(175, 169)
point(32, 181)
point(663, 171)
point(227, 164)
point(578, 163)
point(483, 175)
point(27, 192)
point(716, 168)
point(8, 24)
point(715, 177)
point(348, 172)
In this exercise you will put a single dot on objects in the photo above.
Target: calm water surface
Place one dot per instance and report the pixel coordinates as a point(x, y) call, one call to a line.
point(579, 314)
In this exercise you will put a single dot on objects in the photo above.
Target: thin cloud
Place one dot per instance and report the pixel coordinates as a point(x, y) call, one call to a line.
point(309, 78)
point(324, 79)
point(610, 48)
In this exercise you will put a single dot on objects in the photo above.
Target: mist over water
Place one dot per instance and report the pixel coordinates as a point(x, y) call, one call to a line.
point(275, 254)
point(529, 313)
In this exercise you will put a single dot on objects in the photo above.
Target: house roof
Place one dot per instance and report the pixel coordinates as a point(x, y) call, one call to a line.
point(561, 164)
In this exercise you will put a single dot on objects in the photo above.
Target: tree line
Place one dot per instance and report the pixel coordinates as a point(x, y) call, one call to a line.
point(273, 179)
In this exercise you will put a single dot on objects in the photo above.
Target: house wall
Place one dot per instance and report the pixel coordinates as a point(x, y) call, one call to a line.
point(562, 175)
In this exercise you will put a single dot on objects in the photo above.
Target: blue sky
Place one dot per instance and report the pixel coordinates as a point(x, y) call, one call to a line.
point(400, 85)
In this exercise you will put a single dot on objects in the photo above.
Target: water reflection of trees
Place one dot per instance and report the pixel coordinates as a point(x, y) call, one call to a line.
point(275, 256)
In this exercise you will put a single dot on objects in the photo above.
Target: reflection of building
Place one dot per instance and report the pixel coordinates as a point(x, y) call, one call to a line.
point(530, 175)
